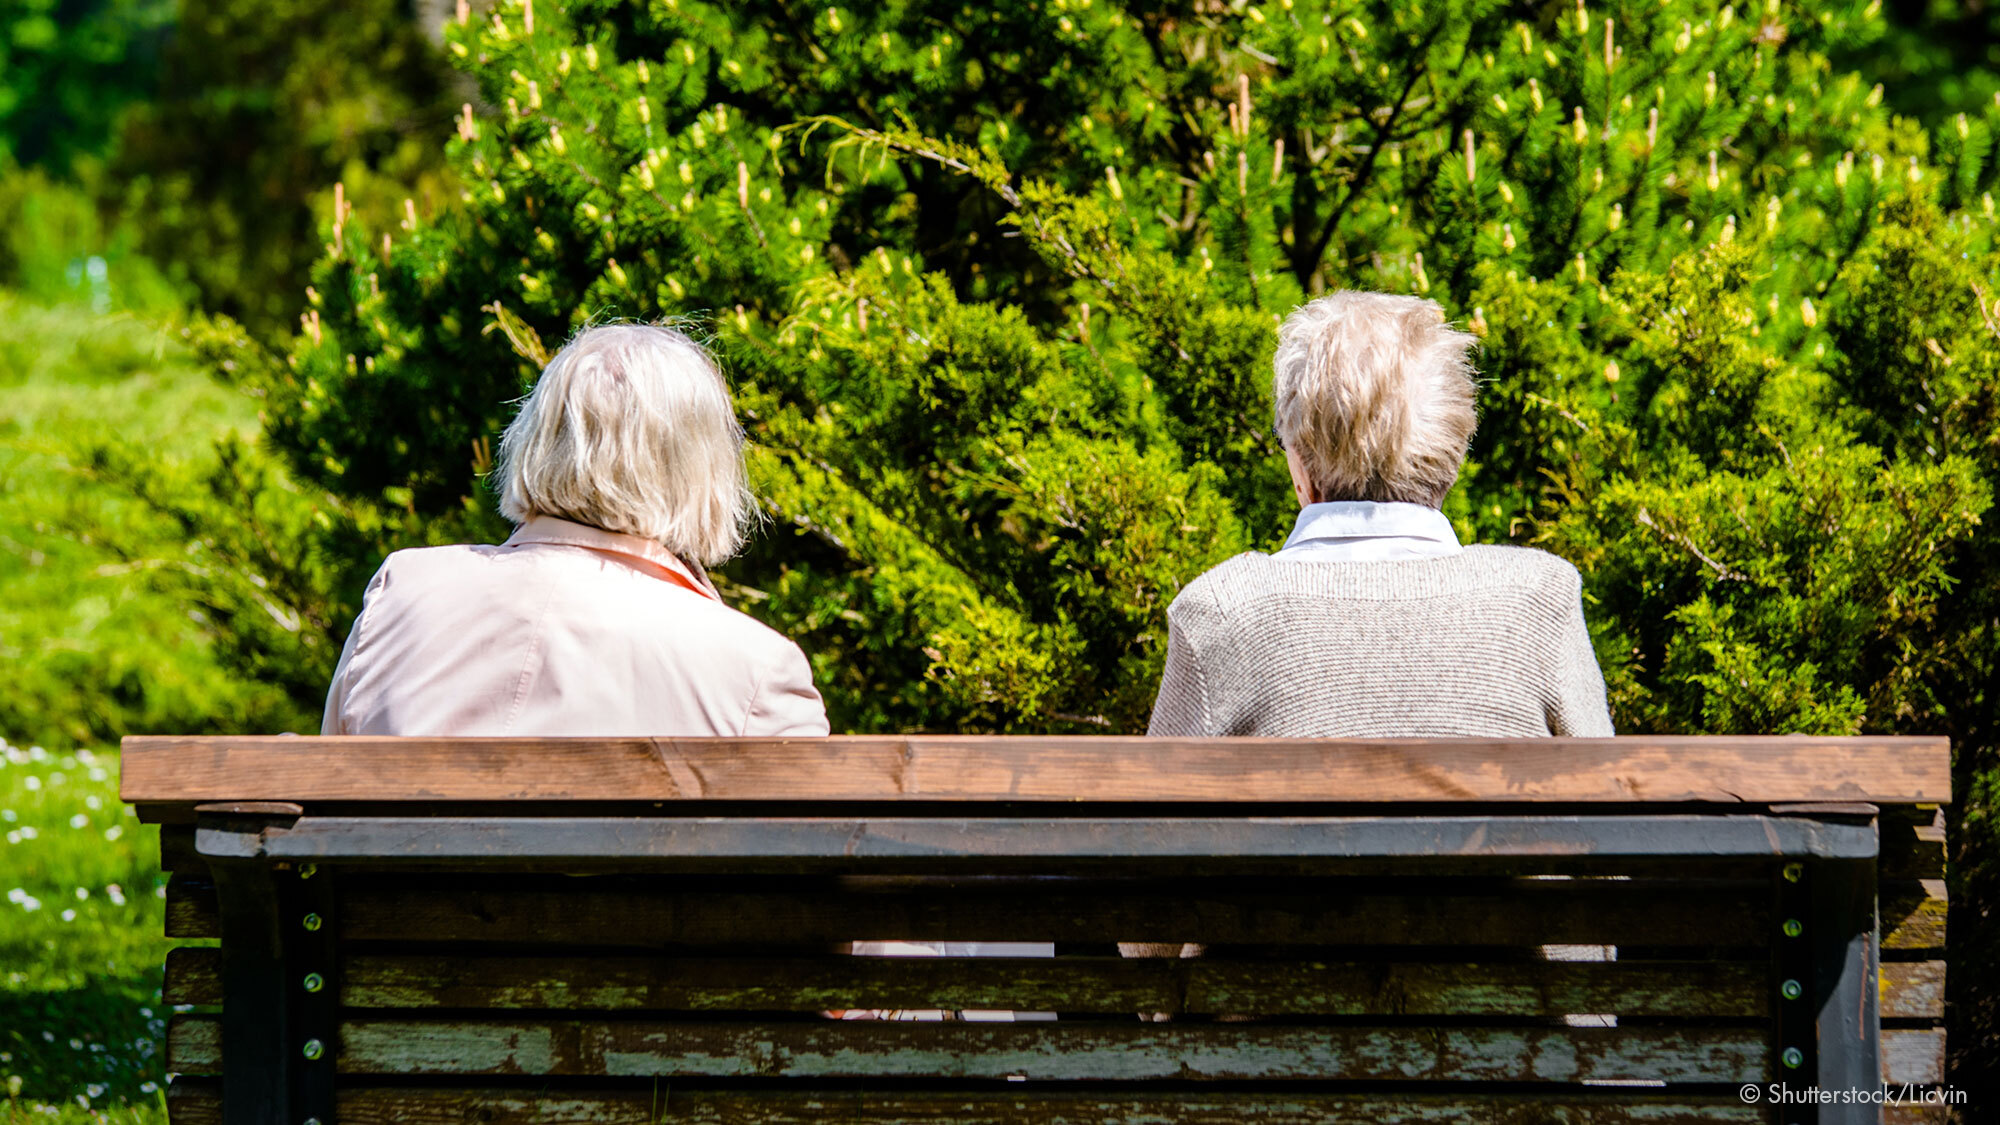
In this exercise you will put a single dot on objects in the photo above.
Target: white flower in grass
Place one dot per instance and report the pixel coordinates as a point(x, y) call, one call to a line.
point(79, 821)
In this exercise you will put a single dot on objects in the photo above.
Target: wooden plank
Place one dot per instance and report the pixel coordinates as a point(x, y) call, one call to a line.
point(1912, 842)
point(193, 976)
point(1732, 770)
point(1913, 1056)
point(848, 842)
point(650, 913)
point(1913, 915)
point(200, 1103)
point(1053, 1052)
point(191, 909)
point(1199, 986)
point(1924, 1107)
point(194, 1044)
point(1912, 989)
point(177, 854)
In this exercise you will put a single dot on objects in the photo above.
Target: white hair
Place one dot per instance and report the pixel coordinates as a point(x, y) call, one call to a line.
point(630, 428)
point(1373, 393)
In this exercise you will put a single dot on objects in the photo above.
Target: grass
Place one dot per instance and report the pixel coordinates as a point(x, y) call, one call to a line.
point(81, 1022)
point(91, 648)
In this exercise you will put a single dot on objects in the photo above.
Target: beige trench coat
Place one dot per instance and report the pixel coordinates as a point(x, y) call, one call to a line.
point(562, 630)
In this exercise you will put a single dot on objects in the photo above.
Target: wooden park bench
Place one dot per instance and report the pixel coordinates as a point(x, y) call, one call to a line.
point(642, 931)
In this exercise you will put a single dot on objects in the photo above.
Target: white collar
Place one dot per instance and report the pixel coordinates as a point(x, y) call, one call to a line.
point(1365, 531)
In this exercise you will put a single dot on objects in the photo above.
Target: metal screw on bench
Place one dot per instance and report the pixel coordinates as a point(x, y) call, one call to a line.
point(1793, 1057)
point(311, 922)
point(310, 1121)
point(1791, 990)
point(1793, 872)
point(314, 982)
point(1793, 927)
point(308, 870)
point(314, 1049)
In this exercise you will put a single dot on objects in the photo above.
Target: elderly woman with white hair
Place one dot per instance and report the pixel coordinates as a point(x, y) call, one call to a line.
point(624, 474)
point(1373, 620)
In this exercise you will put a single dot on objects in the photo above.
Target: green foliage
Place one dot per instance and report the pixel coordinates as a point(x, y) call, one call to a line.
point(1937, 57)
point(93, 643)
point(68, 69)
point(259, 108)
point(82, 1025)
point(996, 286)
point(56, 249)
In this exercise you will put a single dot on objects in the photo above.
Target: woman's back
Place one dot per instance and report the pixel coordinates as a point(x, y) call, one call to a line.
point(1487, 641)
point(546, 635)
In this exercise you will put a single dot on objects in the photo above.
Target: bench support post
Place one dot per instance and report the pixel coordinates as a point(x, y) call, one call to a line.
point(1846, 954)
point(256, 1018)
point(281, 1011)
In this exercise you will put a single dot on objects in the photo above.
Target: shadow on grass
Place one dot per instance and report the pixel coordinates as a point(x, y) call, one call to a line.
point(105, 1041)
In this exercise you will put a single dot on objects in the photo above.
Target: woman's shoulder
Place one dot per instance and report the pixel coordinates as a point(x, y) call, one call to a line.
point(1220, 583)
point(1526, 565)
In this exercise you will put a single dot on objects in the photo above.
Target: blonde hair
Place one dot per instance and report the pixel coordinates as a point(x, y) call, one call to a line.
point(1373, 392)
point(630, 428)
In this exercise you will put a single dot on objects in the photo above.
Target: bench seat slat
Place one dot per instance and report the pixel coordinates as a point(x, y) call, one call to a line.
point(200, 1103)
point(1065, 1051)
point(1202, 986)
point(848, 841)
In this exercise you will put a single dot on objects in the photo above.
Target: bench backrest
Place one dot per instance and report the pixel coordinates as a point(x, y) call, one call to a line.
point(652, 930)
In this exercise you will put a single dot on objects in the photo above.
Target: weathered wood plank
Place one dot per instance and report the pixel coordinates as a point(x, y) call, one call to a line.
point(191, 909)
point(640, 913)
point(194, 1044)
point(193, 976)
point(1057, 1052)
point(1913, 1055)
point(1912, 842)
point(847, 843)
point(1774, 769)
point(1912, 989)
point(1202, 986)
point(1913, 914)
point(200, 1103)
point(177, 854)
point(1922, 1108)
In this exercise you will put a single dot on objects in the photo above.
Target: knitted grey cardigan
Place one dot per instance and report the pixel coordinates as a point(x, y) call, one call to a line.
point(1487, 642)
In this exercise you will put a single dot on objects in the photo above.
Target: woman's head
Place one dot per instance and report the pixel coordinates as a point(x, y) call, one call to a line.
point(630, 429)
point(1374, 397)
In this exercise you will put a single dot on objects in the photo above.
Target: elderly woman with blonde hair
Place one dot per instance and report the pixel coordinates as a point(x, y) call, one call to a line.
point(1373, 620)
point(624, 474)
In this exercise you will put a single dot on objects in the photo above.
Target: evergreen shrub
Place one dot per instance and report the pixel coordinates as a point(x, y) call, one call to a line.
point(996, 286)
